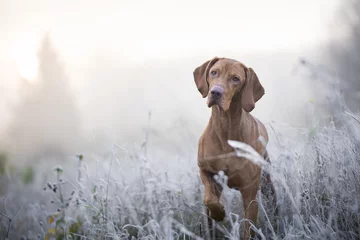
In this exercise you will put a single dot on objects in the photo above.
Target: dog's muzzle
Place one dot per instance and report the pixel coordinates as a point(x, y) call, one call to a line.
point(215, 95)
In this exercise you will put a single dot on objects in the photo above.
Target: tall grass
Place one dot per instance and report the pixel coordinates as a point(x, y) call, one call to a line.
point(315, 170)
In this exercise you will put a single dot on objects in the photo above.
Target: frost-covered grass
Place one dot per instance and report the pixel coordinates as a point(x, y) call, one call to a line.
point(317, 182)
point(125, 194)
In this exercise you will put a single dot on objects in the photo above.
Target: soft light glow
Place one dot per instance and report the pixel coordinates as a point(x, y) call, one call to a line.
point(141, 30)
point(23, 53)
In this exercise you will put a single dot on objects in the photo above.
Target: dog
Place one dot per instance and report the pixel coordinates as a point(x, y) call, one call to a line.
point(232, 89)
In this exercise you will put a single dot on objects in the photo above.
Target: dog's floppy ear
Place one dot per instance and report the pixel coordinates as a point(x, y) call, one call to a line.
point(252, 92)
point(201, 74)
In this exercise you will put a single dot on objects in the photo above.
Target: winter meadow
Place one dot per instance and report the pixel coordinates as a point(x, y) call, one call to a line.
point(113, 154)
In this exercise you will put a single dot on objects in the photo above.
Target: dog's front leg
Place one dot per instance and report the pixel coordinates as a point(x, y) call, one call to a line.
point(251, 210)
point(212, 192)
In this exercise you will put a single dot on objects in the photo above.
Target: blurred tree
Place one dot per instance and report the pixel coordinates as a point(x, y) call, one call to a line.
point(46, 118)
point(345, 52)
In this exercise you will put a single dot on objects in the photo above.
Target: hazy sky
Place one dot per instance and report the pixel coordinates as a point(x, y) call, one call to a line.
point(95, 38)
point(141, 30)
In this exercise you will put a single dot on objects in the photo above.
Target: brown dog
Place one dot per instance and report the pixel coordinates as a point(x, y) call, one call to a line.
point(232, 90)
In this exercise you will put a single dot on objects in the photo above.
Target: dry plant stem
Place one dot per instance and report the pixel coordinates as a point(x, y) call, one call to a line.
point(147, 135)
point(353, 117)
point(79, 178)
point(10, 219)
point(266, 216)
point(107, 184)
point(108, 180)
point(60, 192)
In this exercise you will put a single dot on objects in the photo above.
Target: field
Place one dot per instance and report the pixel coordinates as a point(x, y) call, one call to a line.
point(151, 191)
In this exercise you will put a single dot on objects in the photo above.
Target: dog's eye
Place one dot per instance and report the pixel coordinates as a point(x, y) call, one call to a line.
point(214, 73)
point(235, 79)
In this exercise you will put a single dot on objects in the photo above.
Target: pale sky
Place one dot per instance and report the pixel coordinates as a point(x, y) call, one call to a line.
point(128, 32)
point(166, 28)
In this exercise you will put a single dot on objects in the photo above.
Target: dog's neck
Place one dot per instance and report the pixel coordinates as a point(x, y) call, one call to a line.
point(228, 124)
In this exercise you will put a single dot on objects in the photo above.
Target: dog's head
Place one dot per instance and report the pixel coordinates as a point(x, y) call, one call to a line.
point(224, 80)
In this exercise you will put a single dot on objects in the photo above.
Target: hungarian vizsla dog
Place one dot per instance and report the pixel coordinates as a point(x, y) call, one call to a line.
point(232, 90)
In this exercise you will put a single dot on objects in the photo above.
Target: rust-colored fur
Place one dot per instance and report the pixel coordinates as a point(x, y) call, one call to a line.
point(232, 90)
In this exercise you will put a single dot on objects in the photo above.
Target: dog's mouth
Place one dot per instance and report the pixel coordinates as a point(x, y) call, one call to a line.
point(213, 102)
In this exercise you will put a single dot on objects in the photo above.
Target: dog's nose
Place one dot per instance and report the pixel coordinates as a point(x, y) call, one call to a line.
point(217, 91)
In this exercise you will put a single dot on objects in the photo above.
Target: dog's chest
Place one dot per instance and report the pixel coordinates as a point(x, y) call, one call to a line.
point(214, 156)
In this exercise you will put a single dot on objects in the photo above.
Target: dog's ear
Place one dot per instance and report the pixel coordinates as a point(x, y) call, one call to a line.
point(201, 74)
point(253, 90)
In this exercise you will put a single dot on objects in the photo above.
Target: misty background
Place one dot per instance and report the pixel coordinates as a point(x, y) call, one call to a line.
point(111, 73)
point(100, 116)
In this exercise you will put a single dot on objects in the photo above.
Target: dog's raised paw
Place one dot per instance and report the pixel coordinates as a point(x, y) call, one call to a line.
point(217, 211)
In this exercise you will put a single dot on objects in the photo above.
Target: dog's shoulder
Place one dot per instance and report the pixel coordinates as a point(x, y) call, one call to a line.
point(261, 129)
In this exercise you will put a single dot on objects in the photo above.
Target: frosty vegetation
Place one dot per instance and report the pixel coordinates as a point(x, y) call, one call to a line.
point(132, 192)
point(316, 175)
